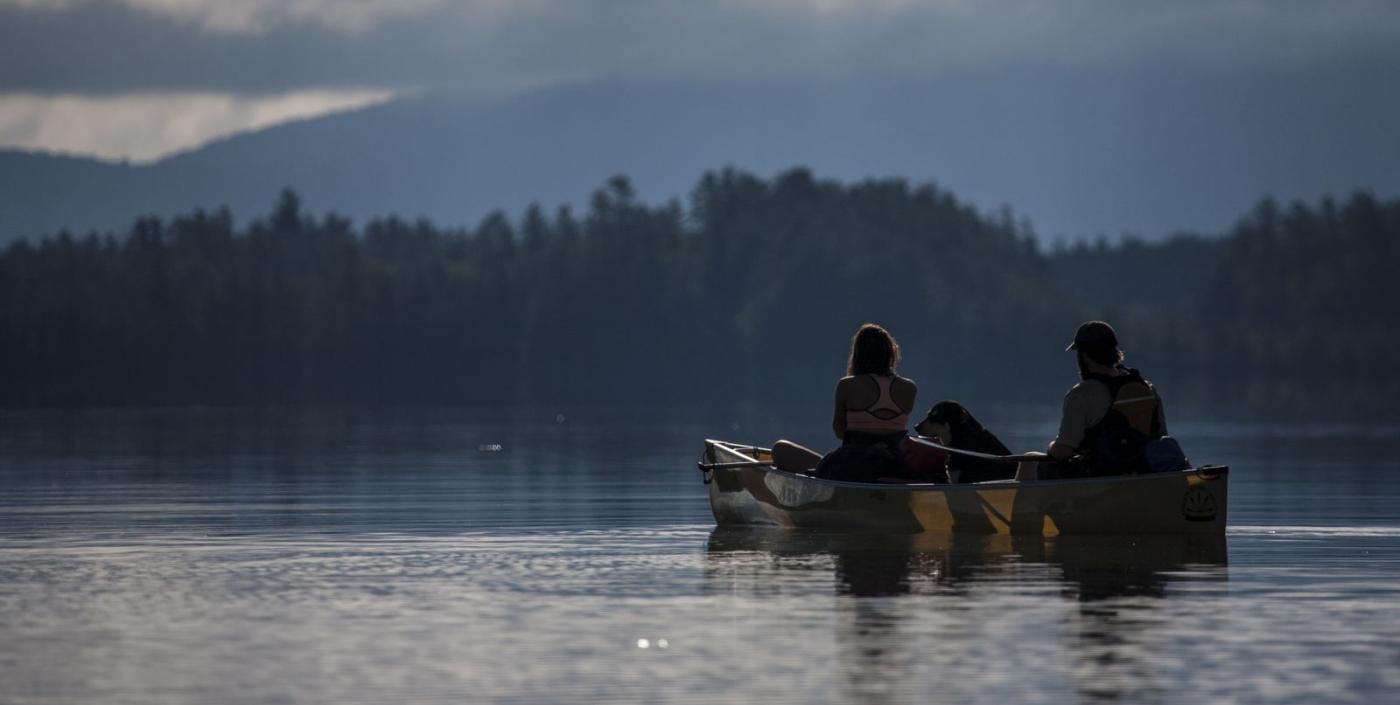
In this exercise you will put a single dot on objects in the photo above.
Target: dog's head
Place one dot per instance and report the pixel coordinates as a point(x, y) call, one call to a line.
point(948, 413)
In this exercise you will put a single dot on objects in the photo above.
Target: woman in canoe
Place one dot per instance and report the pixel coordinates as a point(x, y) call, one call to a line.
point(871, 416)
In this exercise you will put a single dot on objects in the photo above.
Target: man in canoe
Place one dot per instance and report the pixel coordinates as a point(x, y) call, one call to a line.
point(1111, 420)
point(871, 416)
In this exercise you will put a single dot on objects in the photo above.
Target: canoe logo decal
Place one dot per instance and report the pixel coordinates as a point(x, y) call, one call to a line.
point(796, 493)
point(1199, 505)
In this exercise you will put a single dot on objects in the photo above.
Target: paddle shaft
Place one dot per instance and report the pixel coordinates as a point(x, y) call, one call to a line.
point(1031, 457)
point(706, 467)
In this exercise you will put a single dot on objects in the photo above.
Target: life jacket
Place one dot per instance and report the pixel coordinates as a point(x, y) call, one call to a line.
point(1117, 443)
point(882, 417)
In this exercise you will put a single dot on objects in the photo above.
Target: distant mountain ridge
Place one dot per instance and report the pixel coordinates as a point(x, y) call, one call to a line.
point(1105, 157)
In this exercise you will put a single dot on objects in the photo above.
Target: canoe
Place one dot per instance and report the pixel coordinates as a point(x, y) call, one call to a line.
point(745, 489)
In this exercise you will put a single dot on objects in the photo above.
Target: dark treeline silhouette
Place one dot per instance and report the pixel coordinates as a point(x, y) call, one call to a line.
point(749, 293)
point(1293, 310)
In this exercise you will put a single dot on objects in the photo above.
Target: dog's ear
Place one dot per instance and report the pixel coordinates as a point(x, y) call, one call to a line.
point(955, 412)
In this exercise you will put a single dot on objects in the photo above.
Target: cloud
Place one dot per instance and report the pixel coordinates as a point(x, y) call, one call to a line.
point(255, 16)
point(144, 127)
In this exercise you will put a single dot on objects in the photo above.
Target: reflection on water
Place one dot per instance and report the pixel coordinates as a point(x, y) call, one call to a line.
point(1116, 583)
point(373, 556)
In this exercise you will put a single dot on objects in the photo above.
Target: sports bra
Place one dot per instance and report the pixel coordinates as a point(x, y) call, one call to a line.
point(884, 416)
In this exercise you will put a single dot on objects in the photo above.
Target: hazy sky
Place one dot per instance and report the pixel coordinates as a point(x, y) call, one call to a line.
point(139, 78)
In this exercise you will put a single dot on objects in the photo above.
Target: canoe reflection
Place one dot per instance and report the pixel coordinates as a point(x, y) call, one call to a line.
point(949, 598)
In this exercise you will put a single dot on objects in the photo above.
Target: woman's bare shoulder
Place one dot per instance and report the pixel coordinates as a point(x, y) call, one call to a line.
point(905, 392)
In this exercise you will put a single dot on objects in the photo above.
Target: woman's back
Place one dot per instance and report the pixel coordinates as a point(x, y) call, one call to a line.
point(876, 404)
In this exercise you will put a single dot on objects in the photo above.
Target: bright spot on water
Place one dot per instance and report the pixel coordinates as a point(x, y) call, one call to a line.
point(559, 418)
point(643, 643)
point(489, 447)
point(663, 644)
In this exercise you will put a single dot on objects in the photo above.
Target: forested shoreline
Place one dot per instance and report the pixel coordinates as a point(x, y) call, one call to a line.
point(748, 292)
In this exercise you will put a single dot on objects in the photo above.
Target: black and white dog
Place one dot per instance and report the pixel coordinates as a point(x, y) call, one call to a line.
point(951, 423)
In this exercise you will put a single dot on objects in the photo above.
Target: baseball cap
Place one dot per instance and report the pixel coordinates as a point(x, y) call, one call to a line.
point(1094, 334)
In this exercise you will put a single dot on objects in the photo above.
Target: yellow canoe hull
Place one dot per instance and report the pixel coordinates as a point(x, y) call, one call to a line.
point(745, 491)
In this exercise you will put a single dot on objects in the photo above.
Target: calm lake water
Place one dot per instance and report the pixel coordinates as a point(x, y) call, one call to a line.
point(568, 555)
